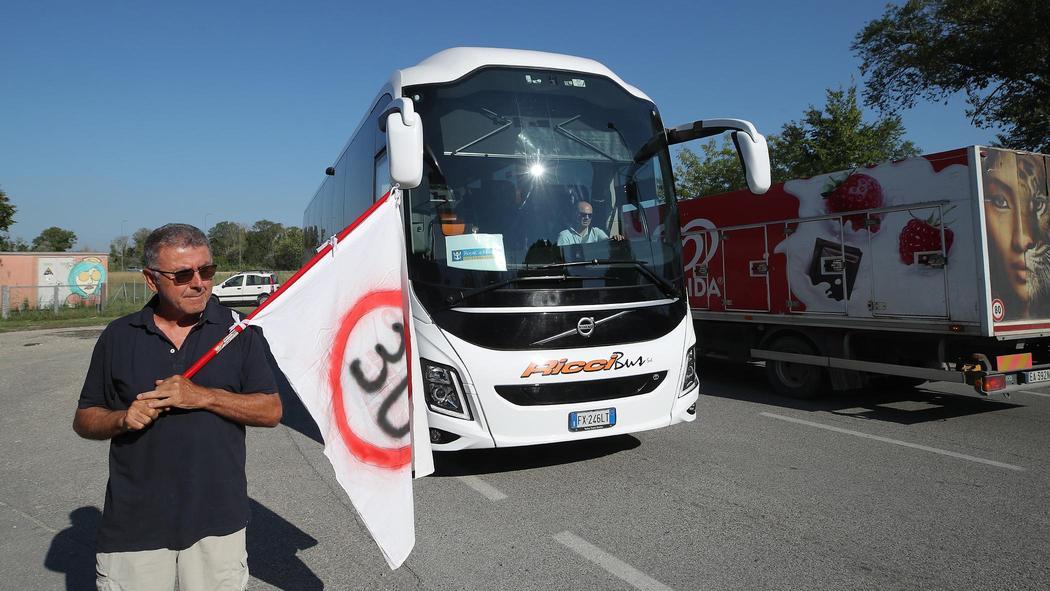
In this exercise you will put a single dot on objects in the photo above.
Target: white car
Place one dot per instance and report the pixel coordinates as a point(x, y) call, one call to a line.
point(248, 287)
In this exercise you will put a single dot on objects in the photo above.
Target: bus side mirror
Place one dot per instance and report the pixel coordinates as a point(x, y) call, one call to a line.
point(754, 155)
point(750, 145)
point(404, 143)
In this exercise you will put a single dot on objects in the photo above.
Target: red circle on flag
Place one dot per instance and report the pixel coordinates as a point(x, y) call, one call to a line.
point(998, 310)
point(369, 453)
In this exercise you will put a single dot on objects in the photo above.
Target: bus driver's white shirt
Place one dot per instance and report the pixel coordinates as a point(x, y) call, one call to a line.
point(571, 236)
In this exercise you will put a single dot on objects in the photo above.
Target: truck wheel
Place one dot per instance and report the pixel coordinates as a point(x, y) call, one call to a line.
point(795, 380)
point(262, 298)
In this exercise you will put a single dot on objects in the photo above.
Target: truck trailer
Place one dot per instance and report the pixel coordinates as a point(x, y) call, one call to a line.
point(935, 267)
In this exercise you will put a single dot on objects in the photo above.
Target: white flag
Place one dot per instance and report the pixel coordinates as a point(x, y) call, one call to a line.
point(341, 333)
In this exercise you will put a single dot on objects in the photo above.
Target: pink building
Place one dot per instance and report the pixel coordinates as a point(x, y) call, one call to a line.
point(35, 279)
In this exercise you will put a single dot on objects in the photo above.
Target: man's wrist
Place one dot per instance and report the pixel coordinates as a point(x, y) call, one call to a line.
point(208, 397)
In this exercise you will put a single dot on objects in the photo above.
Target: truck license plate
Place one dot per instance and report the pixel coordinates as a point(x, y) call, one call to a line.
point(1039, 375)
point(585, 420)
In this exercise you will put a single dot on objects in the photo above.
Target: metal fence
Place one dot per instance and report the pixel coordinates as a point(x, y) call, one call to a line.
point(20, 300)
point(45, 301)
point(129, 292)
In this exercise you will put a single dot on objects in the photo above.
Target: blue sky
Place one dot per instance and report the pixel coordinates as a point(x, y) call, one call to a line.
point(135, 114)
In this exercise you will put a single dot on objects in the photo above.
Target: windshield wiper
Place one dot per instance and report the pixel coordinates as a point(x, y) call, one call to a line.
point(454, 300)
point(662, 283)
point(502, 121)
point(560, 128)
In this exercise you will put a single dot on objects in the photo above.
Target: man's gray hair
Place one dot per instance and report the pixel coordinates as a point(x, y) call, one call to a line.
point(172, 236)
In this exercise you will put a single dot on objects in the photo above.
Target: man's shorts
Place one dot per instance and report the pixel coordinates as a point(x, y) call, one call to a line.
point(217, 563)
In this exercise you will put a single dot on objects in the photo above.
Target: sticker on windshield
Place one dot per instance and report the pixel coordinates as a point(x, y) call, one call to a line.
point(477, 252)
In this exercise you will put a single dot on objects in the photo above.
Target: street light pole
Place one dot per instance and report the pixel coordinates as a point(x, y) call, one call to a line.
point(123, 245)
point(206, 222)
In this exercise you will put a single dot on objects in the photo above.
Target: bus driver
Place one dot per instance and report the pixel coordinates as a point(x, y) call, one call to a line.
point(583, 232)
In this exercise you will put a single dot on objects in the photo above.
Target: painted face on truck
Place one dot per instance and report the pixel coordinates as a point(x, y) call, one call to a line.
point(1014, 212)
point(1032, 170)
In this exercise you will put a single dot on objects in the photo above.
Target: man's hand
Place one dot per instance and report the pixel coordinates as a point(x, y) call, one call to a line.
point(177, 392)
point(138, 416)
point(616, 237)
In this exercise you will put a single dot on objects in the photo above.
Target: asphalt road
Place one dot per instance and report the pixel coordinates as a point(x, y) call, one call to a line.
point(931, 488)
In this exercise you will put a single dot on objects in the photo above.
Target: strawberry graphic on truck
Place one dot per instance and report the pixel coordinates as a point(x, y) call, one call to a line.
point(861, 278)
point(921, 238)
point(854, 192)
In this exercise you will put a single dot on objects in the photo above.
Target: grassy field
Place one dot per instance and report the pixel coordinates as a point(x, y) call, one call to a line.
point(69, 318)
point(127, 293)
point(88, 316)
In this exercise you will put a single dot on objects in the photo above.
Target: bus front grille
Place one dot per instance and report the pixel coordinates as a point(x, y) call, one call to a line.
point(582, 391)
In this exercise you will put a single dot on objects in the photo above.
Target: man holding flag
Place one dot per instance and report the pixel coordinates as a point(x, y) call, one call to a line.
point(341, 331)
point(176, 502)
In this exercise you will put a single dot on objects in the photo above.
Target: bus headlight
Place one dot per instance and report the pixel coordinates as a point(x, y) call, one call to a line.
point(690, 380)
point(443, 390)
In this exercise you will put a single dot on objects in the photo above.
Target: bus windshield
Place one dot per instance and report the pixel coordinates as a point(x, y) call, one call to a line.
point(531, 174)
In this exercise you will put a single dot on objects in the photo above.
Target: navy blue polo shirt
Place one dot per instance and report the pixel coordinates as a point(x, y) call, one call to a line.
point(182, 477)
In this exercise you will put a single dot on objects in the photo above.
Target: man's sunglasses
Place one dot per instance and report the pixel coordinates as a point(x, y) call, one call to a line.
point(584, 215)
point(184, 276)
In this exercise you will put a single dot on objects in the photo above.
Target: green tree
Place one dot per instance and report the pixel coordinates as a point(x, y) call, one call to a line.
point(288, 255)
point(137, 250)
point(824, 140)
point(994, 51)
point(7, 217)
point(718, 171)
point(54, 239)
point(9, 244)
point(836, 138)
point(119, 253)
point(227, 244)
point(260, 243)
point(7, 212)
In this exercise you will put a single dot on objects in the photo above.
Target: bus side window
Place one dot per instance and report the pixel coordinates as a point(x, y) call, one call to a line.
point(381, 176)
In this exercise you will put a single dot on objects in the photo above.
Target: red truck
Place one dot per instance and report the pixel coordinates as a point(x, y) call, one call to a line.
point(930, 268)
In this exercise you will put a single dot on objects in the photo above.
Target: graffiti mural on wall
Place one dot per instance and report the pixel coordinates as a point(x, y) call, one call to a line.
point(77, 280)
point(85, 280)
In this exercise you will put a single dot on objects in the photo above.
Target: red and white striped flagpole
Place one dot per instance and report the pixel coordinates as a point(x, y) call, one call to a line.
point(243, 324)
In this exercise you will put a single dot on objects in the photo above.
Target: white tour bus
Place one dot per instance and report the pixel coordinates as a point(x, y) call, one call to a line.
point(525, 334)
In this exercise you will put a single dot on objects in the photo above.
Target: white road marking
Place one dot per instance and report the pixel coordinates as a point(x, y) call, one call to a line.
point(1043, 394)
point(610, 563)
point(29, 518)
point(487, 490)
point(935, 450)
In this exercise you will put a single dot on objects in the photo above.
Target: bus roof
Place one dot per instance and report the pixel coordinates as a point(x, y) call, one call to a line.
point(452, 64)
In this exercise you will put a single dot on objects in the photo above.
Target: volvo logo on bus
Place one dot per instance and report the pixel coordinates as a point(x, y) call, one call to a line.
point(585, 326)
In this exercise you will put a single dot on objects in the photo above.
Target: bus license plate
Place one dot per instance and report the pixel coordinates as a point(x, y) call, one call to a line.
point(1039, 375)
point(585, 420)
